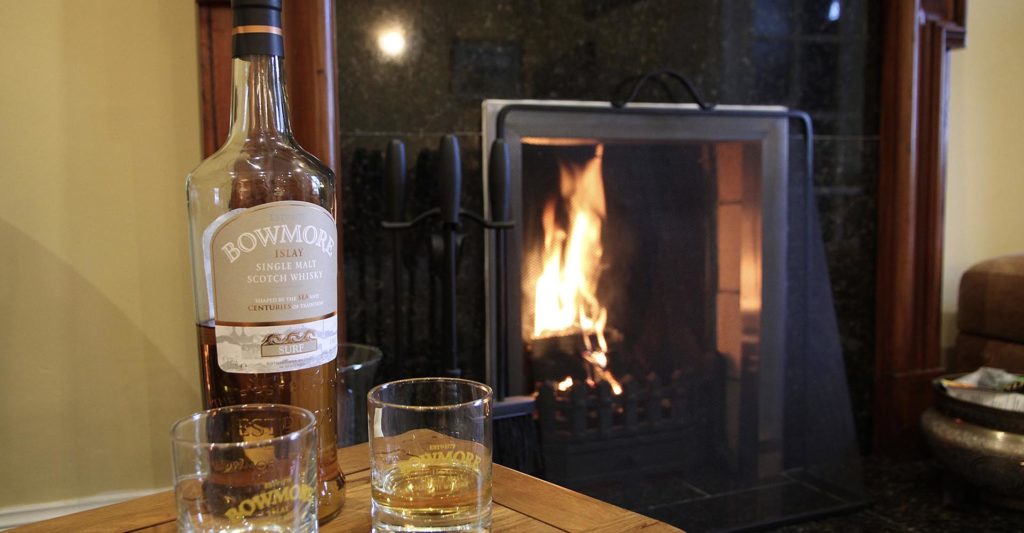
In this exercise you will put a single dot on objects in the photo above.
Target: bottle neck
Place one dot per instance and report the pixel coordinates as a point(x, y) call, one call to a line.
point(258, 105)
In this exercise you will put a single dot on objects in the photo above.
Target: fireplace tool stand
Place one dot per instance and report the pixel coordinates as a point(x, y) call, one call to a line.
point(445, 244)
point(515, 434)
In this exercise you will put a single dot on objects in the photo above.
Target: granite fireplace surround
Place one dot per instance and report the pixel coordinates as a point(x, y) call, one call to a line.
point(802, 54)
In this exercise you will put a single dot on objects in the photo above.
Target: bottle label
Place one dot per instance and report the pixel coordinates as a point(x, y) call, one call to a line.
point(274, 275)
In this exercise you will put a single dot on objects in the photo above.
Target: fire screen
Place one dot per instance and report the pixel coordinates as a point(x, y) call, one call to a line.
point(668, 307)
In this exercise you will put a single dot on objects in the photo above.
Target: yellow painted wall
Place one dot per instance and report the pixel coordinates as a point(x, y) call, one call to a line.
point(99, 122)
point(985, 178)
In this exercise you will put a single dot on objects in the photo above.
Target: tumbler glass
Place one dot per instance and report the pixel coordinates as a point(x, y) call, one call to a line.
point(246, 468)
point(430, 455)
point(357, 367)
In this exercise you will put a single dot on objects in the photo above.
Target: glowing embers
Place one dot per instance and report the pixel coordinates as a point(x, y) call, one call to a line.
point(565, 301)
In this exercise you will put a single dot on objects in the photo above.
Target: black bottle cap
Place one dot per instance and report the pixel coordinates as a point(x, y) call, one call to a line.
point(257, 28)
point(272, 4)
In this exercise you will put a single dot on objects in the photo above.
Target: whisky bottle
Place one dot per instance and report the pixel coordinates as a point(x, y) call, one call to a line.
point(264, 252)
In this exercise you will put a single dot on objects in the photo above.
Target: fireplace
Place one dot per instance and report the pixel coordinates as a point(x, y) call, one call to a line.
point(654, 299)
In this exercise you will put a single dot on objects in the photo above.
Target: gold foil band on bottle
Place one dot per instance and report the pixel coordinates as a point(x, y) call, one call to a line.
point(237, 30)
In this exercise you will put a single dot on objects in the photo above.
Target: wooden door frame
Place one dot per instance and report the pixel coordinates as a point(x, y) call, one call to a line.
point(918, 37)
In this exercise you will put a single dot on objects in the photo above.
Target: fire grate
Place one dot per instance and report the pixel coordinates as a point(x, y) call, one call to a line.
point(591, 434)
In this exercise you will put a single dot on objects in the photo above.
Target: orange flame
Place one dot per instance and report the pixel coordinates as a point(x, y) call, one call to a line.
point(599, 370)
point(565, 299)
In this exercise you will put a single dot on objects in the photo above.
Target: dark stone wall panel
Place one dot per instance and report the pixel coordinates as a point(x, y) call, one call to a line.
point(822, 56)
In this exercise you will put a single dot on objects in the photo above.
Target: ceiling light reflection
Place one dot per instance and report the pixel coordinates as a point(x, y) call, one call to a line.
point(834, 10)
point(391, 42)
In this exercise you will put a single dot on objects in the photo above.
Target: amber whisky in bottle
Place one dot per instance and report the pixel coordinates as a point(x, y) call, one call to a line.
point(265, 251)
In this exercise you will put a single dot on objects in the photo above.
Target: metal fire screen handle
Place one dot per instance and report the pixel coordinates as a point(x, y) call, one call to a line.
point(656, 75)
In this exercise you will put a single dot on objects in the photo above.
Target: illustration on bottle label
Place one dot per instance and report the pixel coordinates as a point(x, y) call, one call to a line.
point(274, 275)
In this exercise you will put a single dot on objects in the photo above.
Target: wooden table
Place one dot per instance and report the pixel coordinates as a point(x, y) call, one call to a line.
point(521, 504)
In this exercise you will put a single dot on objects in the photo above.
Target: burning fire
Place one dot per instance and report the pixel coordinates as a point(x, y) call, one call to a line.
point(565, 300)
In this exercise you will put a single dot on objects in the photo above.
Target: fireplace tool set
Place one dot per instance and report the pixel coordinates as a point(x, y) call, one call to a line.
point(515, 433)
point(446, 242)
